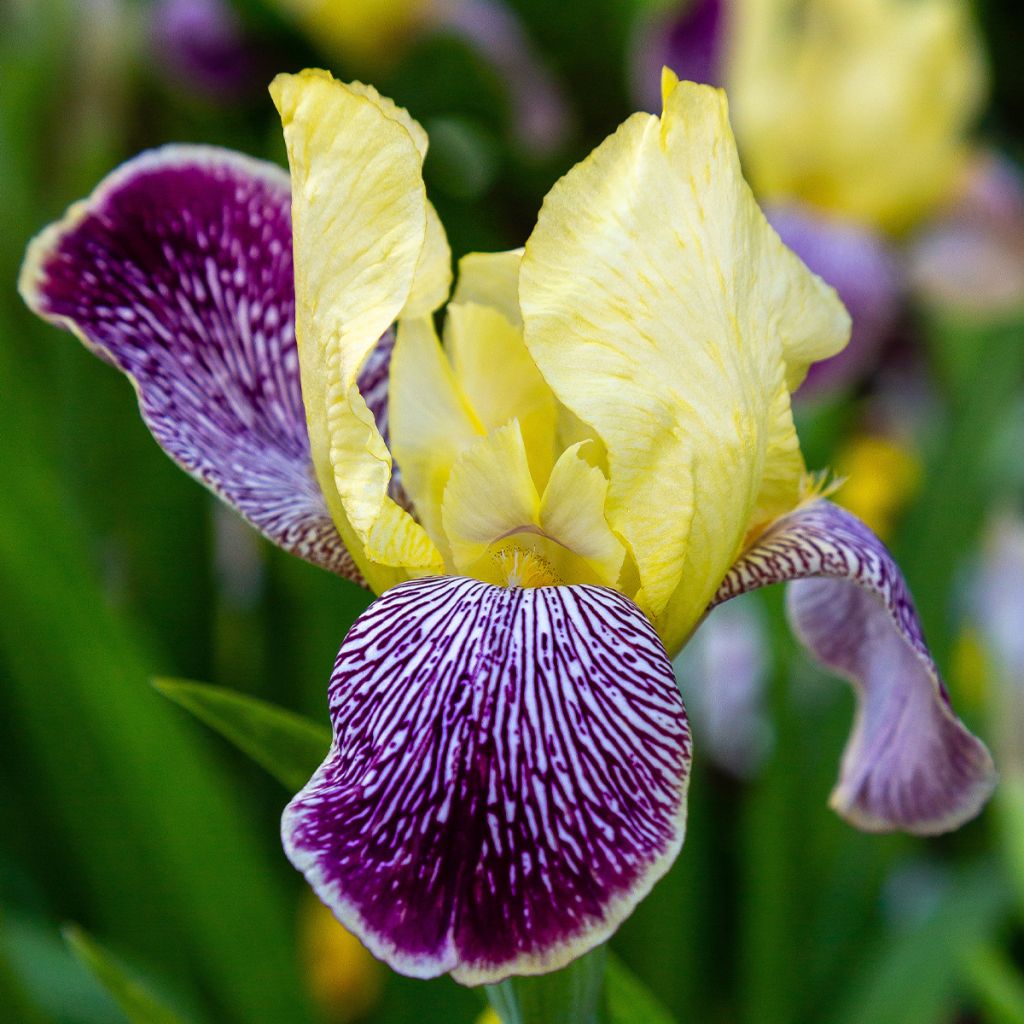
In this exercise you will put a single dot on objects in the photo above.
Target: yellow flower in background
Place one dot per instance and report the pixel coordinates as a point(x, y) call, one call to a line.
point(343, 978)
point(858, 107)
point(364, 32)
point(880, 477)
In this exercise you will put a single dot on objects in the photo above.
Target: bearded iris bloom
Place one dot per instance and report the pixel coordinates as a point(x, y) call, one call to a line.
point(547, 500)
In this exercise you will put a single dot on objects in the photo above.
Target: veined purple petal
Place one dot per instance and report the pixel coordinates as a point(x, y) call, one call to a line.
point(178, 270)
point(862, 268)
point(507, 779)
point(910, 764)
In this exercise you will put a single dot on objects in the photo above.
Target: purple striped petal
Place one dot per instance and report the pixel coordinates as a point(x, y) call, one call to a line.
point(178, 270)
point(910, 764)
point(507, 778)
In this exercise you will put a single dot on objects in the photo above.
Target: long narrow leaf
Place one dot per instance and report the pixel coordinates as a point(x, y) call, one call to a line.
point(915, 975)
point(627, 998)
point(139, 1005)
point(287, 745)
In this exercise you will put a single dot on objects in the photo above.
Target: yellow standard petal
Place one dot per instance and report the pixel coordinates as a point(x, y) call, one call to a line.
point(433, 278)
point(359, 220)
point(491, 279)
point(667, 315)
point(432, 421)
point(501, 380)
point(857, 106)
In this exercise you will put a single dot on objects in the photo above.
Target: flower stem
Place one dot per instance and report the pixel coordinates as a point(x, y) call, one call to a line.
point(569, 996)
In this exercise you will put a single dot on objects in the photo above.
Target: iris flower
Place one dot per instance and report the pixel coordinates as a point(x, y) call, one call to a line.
point(547, 502)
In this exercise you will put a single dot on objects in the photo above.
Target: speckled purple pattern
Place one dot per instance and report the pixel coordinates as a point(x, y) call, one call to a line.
point(507, 778)
point(178, 270)
point(862, 267)
point(910, 764)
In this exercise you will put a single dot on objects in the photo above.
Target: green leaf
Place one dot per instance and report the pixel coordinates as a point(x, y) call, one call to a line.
point(916, 973)
point(287, 745)
point(983, 365)
point(15, 996)
point(571, 995)
point(997, 984)
point(138, 1004)
point(627, 998)
point(141, 823)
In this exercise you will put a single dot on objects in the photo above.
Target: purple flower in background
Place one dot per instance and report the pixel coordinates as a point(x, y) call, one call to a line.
point(689, 39)
point(996, 611)
point(862, 267)
point(539, 110)
point(600, 453)
point(722, 673)
point(970, 257)
point(202, 46)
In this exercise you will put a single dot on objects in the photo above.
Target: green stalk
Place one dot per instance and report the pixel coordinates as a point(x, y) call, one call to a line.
point(569, 996)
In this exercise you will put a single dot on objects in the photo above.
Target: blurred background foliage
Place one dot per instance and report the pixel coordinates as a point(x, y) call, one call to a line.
point(121, 814)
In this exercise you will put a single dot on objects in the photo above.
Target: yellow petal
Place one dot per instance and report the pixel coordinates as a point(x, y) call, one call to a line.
point(490, 495)
point(432, 423)
point(667, 315)
point(857, 106)
point(492, 510)
point(491, 279)
point(433, 277)
point(501, 380)
point(359, 220)
point(361, 31)
point(434, 270)
point(572, 512)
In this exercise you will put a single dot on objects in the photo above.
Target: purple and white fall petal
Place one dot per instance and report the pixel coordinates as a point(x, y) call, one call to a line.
point(910, 764)
point(507, 779)
point(178, 271)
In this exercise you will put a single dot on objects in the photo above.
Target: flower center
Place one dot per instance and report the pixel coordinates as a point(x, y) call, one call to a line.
point(521, 567)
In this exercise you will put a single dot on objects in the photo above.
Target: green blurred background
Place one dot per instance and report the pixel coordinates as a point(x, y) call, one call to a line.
point(121, 814)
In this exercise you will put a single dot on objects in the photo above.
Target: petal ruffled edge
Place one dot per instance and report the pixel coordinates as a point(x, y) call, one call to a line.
point(910, 764)
point(507, 779)
point(367, 244)
point(219, 392)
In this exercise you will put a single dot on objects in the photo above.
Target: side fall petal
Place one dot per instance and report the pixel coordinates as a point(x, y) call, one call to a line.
point(910, 763)
point(178, 271)
point(507, 778)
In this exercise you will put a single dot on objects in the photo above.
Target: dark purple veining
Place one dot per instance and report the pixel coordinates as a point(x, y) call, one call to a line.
point(910, 763)
point(507, 777)
point(179, 272)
